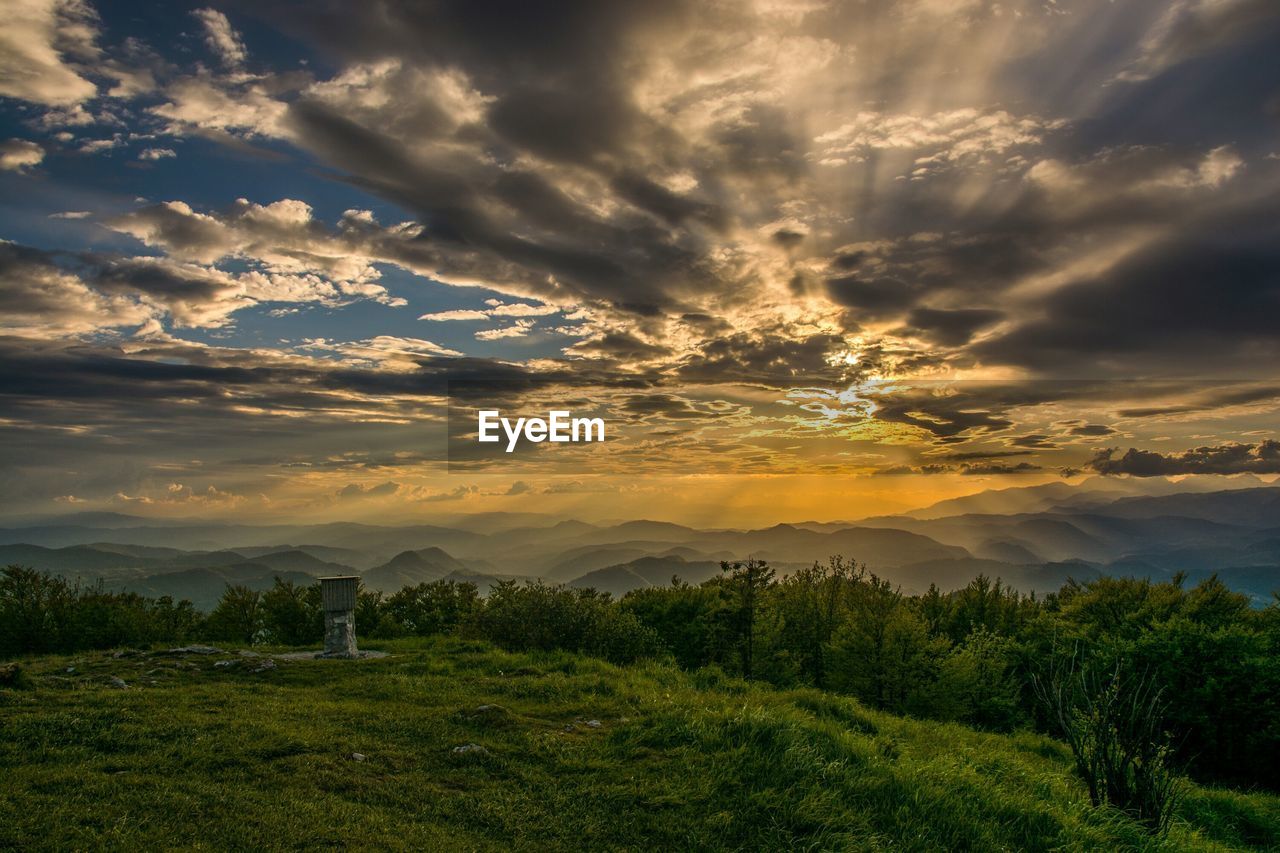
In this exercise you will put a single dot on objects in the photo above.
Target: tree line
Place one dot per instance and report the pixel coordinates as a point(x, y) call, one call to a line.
point(1200, 661)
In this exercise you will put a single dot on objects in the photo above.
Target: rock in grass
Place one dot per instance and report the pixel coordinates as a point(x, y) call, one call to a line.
point(488, 715)
point(196, 650)
point(118, 683)
point(358, 756)
point(470, 749)
point(266, 666)
point(11, 675)
point(221, 664)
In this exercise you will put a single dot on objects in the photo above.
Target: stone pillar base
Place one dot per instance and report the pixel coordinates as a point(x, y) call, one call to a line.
point(340, 634)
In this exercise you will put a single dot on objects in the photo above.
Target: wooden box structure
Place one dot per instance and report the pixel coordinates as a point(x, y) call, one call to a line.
point(339, 593)
point(338, 599)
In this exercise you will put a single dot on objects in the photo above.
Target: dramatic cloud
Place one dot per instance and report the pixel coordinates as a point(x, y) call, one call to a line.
point(38, 298)
point(1260, 458)
point(1191, 28)
point(224, 41)
point(40, 44)
point(937, 141)
point(17, 155)
point(827, 237)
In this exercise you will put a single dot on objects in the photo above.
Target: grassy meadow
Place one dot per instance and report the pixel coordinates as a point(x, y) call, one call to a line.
point(574, 753)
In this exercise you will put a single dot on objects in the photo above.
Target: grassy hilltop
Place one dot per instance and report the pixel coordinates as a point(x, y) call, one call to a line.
point(574, 753)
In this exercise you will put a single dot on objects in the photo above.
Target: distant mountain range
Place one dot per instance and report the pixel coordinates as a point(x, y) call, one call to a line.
point(1034, 539)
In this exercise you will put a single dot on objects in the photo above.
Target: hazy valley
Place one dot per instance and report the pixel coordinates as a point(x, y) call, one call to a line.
point(1041, 537)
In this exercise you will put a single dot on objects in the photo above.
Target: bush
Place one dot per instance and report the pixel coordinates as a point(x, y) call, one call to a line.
point(42, 613)
point(439, 607)
point(688, 619)
point(1113, 724)
point(238, 616)
point(977, 685)
point(538, 616)
point(292, 614)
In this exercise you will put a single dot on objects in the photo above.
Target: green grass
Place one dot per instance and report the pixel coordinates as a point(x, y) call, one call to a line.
point(194, 756)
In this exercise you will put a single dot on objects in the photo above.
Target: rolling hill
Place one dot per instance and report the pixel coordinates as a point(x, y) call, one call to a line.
point(453, 745)
point(1098, 527)
point(203, 587)
point(644, 572)
point(68, 561)
point(410, 568)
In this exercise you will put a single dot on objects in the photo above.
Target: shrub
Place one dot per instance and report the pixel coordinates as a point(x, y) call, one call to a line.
point(238, 615)
point(545, 617)
point(439, 607)
point(44, 613)
point(291, 614)
point(687, 618)
point(1113, 723)
point(977, 685)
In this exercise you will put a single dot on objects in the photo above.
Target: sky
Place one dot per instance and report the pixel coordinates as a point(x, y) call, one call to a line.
point(808, 260)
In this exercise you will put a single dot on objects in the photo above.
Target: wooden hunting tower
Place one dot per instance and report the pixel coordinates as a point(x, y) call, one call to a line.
point(338, 597)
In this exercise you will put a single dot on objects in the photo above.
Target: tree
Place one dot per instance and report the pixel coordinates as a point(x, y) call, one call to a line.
point(688, 619)
point(33, 608)
point(438, 607)
point(812, 603)
point(290, 615)
point(238, 615)
point(977, 683)
point(544, 617)
point(744, 587)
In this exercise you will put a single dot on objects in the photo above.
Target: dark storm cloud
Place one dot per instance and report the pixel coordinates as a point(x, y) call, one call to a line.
point(464, 231)
point(970, 455)
point(955, 412)
point(778, 359)
point(1033, 440)
point(1196, 301)
point(1215, 399)
point(951, 328)
point(760, 142)
point(622, 347)
point(165, 370)
point(666, 406)
point(570, 42)
point(994, 468)
point(1199, 27)
point(557, 88)
point(1260, 458)
point(1091, 430)
point(666, 205)
point(946, 420)
point(562, 125)
point(873, 297)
